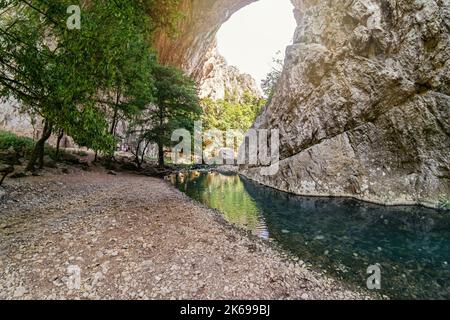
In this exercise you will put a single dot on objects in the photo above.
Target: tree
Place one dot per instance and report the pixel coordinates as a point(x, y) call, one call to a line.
point(176, 106)
point(39, 69)
point(62, 75)
point(140, 135)
point(268, 84)
point(232, 113)
point(126, 85)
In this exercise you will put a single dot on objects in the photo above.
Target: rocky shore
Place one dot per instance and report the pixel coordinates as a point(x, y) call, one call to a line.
point(90, 235)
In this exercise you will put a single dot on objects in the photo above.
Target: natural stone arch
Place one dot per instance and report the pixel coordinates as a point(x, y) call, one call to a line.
point(197, 33)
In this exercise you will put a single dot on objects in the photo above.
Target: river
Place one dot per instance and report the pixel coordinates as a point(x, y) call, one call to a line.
point(410, 244)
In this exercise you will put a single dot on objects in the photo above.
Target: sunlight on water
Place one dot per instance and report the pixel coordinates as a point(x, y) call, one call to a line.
point(342, 236)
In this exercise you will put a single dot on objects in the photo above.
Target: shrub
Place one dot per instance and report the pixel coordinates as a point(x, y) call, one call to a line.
point(444, 204)
point(81, 153)
point(21, 145)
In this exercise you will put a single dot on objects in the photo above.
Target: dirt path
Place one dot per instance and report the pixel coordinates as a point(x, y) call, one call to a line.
point(97, 236)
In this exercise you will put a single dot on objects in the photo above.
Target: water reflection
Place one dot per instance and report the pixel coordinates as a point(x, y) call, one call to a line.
point(343, 236)
point(225, 193)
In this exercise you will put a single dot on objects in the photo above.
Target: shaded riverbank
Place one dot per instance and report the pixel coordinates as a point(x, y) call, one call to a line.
point(89, 235)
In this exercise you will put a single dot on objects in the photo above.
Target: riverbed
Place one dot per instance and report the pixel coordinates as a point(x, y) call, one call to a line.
point(344, 237)
point(92, 235)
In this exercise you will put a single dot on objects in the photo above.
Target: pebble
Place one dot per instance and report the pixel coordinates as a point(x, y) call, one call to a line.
point(164, 246)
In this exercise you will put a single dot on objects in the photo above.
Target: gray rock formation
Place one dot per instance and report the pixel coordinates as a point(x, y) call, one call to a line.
point(194, 49)
point(12, 119)
point(218, 79)
point(363, 103)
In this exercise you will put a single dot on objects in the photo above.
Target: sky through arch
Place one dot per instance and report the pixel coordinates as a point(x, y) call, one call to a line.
point(251, 38)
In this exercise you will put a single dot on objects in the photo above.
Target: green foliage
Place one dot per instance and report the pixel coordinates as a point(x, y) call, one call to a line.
point(126, 84)
point(45, 66)
point(268, 84)
point(72, 78)
point(77, 79)
point(176, 106)
point(21, 145)
point(444, 204)
point(164, 15)
point(231, 113)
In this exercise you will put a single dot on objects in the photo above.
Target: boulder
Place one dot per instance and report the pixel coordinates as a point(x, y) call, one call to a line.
point(9, 157)
point(50, 163)
point(2, 194)
point(5, 169)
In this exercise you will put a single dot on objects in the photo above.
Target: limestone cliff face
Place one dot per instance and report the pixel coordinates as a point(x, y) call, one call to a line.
point(12, 119)
point(218, 78)
point(363, 104)
point(194, 48)
point(197, 32)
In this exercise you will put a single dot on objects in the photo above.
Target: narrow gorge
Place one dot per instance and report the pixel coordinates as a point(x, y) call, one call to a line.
point(117, 119)
point(363, 103)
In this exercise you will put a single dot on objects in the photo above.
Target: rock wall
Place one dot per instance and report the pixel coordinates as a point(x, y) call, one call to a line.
point(363, 105)
point(12, 119)
point(197, 33)
point(218, 78)
point(194, 48)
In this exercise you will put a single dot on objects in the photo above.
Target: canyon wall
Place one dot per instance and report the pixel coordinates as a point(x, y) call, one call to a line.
point(12, 119)
point(194, 48)
point(218, 79)
point(363, 103)
point(196, 36)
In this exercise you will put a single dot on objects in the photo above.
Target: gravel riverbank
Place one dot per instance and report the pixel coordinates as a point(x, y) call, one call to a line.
point(90, 235)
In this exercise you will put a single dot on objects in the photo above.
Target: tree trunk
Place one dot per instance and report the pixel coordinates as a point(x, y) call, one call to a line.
point(138, 148)
point(58, 143)
point(38, 152)
point(96, 156)
point(116, 114)
point(144, 152)
point(113, 125)
point(161, 155)
point(160, 144)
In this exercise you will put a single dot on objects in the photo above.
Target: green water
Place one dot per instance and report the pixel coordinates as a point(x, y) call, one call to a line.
point(341, 236)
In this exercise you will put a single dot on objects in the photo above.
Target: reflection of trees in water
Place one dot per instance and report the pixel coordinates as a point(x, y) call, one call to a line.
point(225, 193)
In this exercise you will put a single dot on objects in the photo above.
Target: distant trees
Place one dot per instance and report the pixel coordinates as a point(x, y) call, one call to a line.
point(232, 113)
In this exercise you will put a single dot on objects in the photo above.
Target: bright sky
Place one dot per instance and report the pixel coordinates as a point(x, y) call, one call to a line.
point(251, 38)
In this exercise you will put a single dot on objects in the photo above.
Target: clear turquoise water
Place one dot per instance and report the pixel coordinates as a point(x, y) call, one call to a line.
point(341, 236)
